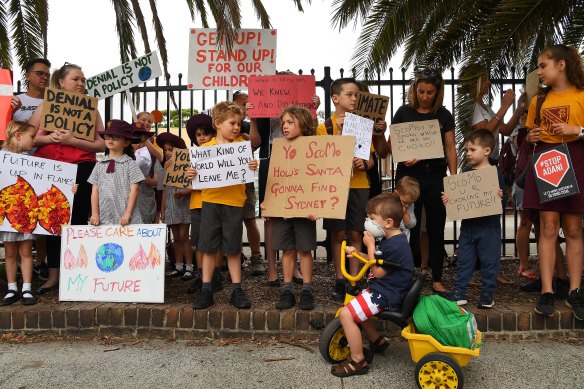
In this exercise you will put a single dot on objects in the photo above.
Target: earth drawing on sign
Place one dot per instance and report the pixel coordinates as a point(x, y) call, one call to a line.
point(109, 257)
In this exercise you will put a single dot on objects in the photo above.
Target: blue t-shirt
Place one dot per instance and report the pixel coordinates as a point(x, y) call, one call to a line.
point(389, 291)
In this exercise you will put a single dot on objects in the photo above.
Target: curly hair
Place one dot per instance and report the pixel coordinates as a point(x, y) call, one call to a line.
point(224, 110)
point(305, 121)
point(570, 55)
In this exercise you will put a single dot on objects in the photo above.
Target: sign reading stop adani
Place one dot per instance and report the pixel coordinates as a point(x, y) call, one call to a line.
point(554, 174)
point(253, 53)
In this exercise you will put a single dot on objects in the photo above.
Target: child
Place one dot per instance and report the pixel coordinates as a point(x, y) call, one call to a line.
point(296, 235)
point(116, 179)
point(175, 212)
point(387, 286)
point(408, 190)
point(19, 139)
point(344, 96)
point(222, 214)
point(480, 237)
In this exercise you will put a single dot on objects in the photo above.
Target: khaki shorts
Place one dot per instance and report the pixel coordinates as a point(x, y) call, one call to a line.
point(249, 208)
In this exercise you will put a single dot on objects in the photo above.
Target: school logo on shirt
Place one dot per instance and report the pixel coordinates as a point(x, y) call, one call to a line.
point(553, 115)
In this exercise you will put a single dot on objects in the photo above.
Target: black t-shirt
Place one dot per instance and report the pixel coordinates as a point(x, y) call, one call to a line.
point(406, 114)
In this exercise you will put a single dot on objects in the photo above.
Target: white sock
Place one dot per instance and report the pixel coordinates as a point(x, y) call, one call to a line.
point(11, 286)
point(189, 268)
point(26, 287)
point(178, 266)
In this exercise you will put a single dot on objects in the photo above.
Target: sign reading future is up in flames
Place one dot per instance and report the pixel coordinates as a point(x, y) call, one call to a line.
point(309, 176)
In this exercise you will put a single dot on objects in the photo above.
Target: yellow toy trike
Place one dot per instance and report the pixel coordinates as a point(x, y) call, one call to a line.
point(437, 366)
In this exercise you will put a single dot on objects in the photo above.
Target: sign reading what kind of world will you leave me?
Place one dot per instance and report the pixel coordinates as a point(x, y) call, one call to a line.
point(222, 165)
point(125, 76)
point(113, 263)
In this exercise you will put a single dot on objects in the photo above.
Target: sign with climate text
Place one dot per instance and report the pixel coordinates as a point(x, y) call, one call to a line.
point(222, 165)
point(416, 140)
point(75, 112)
point(271, 94)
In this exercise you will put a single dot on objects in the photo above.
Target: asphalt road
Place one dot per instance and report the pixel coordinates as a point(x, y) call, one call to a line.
point(267, 364)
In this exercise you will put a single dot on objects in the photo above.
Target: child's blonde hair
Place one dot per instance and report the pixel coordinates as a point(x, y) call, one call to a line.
point(144, 113)
point(16, 127)
point(408, 186)
point(303, 116)
point(223, 110)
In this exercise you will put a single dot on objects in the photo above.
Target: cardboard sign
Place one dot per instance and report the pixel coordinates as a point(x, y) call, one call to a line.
point(309, 176)
point(125, 76)
point(71, 111)
point(531, 85)
point(35, 194)
point(175, 175)
point(362, 129)
point(113, 263)
point(6, 94)
point(371, 106)
point(416, 140)
point(271, 94)
point(253, 53)
point(473, 194)
point(222, 165)
point(554, 174)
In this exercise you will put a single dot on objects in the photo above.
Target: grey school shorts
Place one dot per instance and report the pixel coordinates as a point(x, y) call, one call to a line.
point(195, 226)
point(355, 216)
point(249, 208)
point(294, 234)
point(221, 228)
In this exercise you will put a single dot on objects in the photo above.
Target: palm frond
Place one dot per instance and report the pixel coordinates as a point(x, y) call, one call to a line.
point(574, 28)
point(5, 46)
point(198, 5)
point(227, 17)
point(125, 29)
point(161, 41)
point(299, 4)
point(26, 32)
point(41, 9)
point(141, 24)
point(346, 10)
point(261, 13)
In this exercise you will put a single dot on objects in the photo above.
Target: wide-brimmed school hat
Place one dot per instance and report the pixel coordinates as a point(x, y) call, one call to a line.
point(199, 121)
point(171, 139)
point(118, 127)
point(139, 129)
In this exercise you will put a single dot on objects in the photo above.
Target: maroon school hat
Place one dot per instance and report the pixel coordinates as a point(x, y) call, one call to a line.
point(199, 121)
point(118, 127)
point(139, 129)
point(171, 139)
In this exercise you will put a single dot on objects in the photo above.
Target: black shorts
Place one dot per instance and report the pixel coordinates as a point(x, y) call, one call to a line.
point(221, 228)
point(355, 216)
point(294, 234)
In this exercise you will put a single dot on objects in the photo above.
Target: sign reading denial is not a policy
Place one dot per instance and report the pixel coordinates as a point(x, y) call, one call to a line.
point(222, 165)
point(71, 111)
point(309, 176)
point(175, 175)
point(271, 94)
point(125, 76)
point(473, 194)
point(416, 140)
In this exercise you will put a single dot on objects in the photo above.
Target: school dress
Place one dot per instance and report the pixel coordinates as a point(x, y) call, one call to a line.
point(114, 188)
point(177, 210)
point(146, 203)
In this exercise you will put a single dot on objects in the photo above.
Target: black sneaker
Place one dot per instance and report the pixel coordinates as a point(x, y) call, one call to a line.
point(545, 305)
point(532, 287)
point(239, 299)
point(561, 288)
point(287, 300)
point(486, 301)
point(195, 287)
point(306, 300)
point(576, 301)
point(204, 300)
point(457, 297)
point(41, 271)
point(338, 294)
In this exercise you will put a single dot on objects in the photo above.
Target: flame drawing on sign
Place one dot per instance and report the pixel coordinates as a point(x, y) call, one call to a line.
point(69, 260)
point(154, 256)
point(139, 260)
point(82, 258)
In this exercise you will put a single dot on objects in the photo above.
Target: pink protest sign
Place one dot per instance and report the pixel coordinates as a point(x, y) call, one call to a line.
point(271, 94)
point(5, 100)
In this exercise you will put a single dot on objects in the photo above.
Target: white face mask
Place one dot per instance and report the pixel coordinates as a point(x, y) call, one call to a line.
point(375, 229)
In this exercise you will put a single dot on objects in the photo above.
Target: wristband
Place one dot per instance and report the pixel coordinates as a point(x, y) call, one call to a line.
point(497, 118)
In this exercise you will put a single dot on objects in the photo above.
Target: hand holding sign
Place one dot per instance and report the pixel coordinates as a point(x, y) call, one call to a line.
point(372, 107)
point(222, 165)
point(362, 129)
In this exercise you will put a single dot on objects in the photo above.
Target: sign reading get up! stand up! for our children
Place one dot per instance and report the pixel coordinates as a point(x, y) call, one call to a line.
point(211, 67)
point(176, 174)
point(35, 194)
point(473, 194)
point(113, 263)
point(271, 94)
point(71, 111)
point(416, 140)
point(309, 176)
point(222, 165)
point(125, 76)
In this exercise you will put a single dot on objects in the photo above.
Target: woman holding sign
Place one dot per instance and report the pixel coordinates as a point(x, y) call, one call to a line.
point(62, 146)
point(426, 104)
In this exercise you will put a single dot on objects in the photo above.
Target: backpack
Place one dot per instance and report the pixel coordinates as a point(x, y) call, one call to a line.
point(508, 161)
point(446, 322)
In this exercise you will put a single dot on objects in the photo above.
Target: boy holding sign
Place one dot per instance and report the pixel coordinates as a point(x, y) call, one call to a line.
point(222, 214)
point(480, 237)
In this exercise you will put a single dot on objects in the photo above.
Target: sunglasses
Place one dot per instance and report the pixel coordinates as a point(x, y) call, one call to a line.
point(427, 74)
point(41, 74)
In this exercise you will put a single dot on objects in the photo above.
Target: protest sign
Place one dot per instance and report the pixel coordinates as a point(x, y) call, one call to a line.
point(125, 76)
point(531, 86)
point(5, 100)
point(473, 194)
point(362, 129)
point(222, 165)
point(416, 140)
point(71, 111)
point(113, 263)
point(554, 174)
point(175, 175)
point(309, 176)
point(35, 194)
point(211, 67)
point(371, 106)
point(271, 94)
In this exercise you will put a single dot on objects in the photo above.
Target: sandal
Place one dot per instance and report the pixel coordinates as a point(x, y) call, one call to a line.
point(425, 271)
point(379, 346)
point(530, 274)
point(504, 281)
point(350, 367)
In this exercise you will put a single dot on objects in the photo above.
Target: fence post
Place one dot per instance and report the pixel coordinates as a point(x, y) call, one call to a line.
point(326, 85)
point(108, 109)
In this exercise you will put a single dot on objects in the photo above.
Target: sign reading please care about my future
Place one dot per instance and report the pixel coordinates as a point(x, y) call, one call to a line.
point(222, 165)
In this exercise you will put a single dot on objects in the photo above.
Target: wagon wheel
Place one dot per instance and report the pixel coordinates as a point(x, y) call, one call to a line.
point(438, 371)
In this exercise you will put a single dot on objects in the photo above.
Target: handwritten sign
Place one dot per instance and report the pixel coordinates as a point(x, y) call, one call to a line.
point(5, 100)
point(473, 194)
point(271, 94)
point(176, 173)
point(371, 106)
point(35, 194)
point(253, 53)
point(362, 129)
point(125, 76)
point(531, 85)
point(113, 263)
point(309, 175)
point(71, 111)
point(222, 165)
point(416, 140)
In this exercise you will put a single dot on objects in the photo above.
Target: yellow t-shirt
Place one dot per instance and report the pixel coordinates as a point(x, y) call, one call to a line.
point(196, 199)
point(359, 178)
point(565, 107)
point(233, 195)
